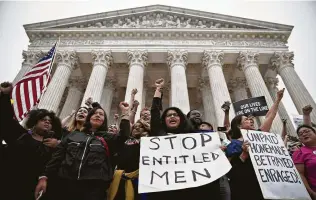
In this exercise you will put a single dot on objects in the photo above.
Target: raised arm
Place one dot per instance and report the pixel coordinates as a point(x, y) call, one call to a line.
point(306, 115)
point(131, 102)
point(226, 108)
point(284, 132)
point(155, 123)
point(11, 130)
point(133, 111)
point(116, 141)
point(272, 112)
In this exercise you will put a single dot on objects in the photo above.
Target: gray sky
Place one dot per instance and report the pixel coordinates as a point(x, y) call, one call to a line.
point(301, 15)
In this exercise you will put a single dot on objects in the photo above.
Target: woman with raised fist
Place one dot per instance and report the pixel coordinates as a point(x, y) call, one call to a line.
point(173, 121)
point(27, 151)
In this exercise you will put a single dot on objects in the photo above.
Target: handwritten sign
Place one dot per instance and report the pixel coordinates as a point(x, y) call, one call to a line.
point(275, 170)
point(256, 106)
point(180, 161)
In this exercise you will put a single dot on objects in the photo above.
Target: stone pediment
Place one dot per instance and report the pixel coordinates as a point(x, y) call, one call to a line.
point(157, 17)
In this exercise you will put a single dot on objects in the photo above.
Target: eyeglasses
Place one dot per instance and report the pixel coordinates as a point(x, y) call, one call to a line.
point(172, 115)
point(300, 133)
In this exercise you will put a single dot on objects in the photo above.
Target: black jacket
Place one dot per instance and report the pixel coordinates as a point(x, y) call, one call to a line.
point(23, 159)
point(82, 156)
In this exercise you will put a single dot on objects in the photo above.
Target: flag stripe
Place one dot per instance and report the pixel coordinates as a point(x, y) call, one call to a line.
point(46, 62)
point(26, 96)
point(38, 88)
point(30, 87)
point(38, 70)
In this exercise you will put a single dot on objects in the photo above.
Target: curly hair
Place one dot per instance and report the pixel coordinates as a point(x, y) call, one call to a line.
point(35, 115)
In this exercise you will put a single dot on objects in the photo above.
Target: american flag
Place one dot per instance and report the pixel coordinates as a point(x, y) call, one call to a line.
point(28, 91)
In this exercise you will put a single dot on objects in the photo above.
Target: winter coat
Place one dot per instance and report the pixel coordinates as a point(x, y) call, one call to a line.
point(84, 156)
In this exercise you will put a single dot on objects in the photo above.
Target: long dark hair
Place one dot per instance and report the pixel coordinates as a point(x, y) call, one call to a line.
point(184, 127)
point(87, 125)
point(234, 131)
point(35, 115)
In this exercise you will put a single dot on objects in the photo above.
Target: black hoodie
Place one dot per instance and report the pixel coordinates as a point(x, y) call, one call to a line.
point(159, 128)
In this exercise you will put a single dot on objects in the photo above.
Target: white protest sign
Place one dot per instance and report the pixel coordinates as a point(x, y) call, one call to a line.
point(275, 170)
point(180, 161)
point(297, 120)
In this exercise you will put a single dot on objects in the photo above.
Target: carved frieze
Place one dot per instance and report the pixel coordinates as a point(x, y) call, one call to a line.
point(144, 41)
point(159, 20)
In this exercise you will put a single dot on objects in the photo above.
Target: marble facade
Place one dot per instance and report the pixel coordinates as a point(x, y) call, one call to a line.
point(205, 59)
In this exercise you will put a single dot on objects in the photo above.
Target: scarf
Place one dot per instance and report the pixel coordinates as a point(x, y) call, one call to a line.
point(129, 190)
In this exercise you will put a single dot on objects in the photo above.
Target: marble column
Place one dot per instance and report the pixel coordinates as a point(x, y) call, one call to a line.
point(102, 61)
point(282, 61)
point(30, 59)
point(209, 114)
point(144, 95)
point(66, 62)
point(107, 96)
point(75, 91)
point(272, 83)
point(213, 61)
point(238, 86)
point(248, 61)
point(137, 61)
point(177, 61)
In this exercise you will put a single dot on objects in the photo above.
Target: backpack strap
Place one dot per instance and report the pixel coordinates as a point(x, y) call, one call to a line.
point(107, 152)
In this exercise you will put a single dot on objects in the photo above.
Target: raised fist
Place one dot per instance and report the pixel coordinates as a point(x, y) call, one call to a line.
point(89, 101)
point(280, 94)
point(135, 103)
point(6, 87)
point(159, 83)
point(134, 91)
point(284, 121)
point(124, 107)
point(307, 110)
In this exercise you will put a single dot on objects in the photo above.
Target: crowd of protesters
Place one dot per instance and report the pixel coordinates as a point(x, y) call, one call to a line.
point(83, 157)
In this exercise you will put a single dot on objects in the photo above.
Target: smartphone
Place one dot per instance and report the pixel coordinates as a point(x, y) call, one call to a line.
point(50, 134)
point(221, 128)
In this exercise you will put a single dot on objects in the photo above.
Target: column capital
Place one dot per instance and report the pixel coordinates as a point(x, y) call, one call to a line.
point(78, 83)
point(212, 58)
point(67, 58)
point(31, 57)
point(177, 57)
point(271, 82)
point(237, 83)
point(247, 59)
point(281, 60)
point(103, 58)
point(137, 57)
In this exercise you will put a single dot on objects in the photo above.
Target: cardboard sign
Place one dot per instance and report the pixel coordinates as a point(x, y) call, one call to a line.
point(275, 170)
point(256, 106)
point(180, 161)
